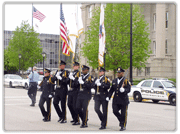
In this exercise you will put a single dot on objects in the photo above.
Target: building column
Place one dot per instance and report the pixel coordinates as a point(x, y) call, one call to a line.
point(160, 30)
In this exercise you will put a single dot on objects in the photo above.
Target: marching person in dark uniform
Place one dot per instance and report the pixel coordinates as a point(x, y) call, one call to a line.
point(121, 87)
point(62, 79)
point(84, 95)
point(73, 92)
point(46, 96)
point(100, 97)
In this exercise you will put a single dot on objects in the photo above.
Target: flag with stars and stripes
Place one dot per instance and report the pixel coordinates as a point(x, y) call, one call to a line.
point(38, 15)
point(101, 37)
point(63, 33)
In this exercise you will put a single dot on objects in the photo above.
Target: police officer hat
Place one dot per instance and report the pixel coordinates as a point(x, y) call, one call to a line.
point(75, 64)
point(47, 70)
point(119, 70)
point(101, 69)
point(84, 67)
point(62, 62)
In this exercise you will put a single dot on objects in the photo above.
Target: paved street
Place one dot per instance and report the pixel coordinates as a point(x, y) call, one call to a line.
point(145, 116)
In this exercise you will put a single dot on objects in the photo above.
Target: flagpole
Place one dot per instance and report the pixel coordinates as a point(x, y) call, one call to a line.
point(79, 60)
point(32, 15)
point(59, 48)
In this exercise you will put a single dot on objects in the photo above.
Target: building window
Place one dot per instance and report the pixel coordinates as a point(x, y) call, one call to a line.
point(167, 19)
point(139, 72)
point(147, 71)
point(154, 21)
point(166, 47)
point(154, 47)
point(90, 11)
point(51, 61)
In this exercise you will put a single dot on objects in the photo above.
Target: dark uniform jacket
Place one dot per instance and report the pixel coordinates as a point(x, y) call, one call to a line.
point(62, 83)
point(86, 93)
point(120, 98)
point(74, 83)
point(47, 87)
point(103, 89)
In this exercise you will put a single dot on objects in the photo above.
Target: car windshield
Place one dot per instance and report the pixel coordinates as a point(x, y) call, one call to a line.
point(15, 77)
point(169, 84)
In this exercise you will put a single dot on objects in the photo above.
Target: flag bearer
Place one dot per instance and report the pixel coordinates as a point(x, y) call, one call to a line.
point(121, 87)
point(73, 93)
point(84, 95)
point(46, 96)
point(103, 83)
point(62, 80)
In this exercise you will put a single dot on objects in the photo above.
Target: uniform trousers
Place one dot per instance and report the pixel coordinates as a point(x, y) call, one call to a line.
point(46, 114)
point(122, 117)
point(102, 115)
point(72, 99)
point(82, 109)
point(62, 99)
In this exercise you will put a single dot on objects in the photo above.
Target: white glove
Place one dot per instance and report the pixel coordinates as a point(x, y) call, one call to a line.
point(38, 87)
point(50, 96)
point(122, 90)
point(80, 78)
point(81, 82)
point(97, 81)
point(107, 98)
point(98, 84)
point(71, 74)
point(59, 77)
point(71, 77)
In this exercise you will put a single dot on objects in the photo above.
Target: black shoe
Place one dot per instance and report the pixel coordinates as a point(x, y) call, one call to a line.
point(63, 121)
point(32, 105)
point(72, 121)
point(83, 126)
point(122, 129)
point(46, 120)
point(76, 123)
point(59, 119)
point(102, 127)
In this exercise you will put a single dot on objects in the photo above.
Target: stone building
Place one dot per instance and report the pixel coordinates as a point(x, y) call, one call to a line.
point(162, 24)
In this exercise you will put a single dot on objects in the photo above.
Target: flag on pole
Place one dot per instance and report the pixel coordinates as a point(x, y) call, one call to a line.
point(63, 33)
point(77, 28)
point(101, 37)
point(38, 15)
point(79, 20)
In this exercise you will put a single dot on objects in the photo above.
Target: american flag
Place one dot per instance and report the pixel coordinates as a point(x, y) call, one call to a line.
point(63, 33)
point(38, 15)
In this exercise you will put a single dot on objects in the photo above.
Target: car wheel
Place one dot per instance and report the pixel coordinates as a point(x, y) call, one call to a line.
point(172, 100)
point(10, 84)
point(137, 97)
point(26, 86)
point(155, 101)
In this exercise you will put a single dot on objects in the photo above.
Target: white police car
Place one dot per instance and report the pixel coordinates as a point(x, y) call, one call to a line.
point(156, 89)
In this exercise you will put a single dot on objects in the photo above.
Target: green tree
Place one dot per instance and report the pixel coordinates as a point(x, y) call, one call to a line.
point(25, 41)
point(8, 67)
point(117, 27)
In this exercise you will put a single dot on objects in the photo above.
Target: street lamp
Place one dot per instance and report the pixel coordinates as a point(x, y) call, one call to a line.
point(43, 55)
point(19, 62)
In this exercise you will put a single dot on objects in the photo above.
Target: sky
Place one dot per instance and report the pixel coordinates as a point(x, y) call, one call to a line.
point(16, 13)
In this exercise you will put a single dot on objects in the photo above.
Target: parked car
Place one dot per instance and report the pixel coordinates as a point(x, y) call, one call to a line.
point(39, 81)
point(13, 80)
point(155, 90)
